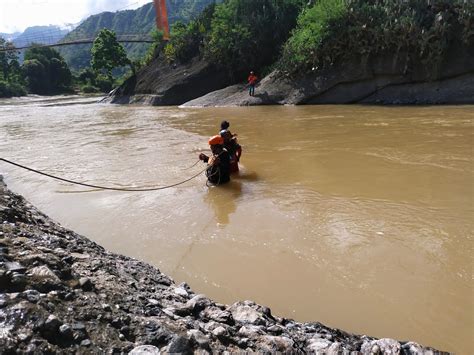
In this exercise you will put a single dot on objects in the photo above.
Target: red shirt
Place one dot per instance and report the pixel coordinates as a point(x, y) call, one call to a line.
point(252, 79)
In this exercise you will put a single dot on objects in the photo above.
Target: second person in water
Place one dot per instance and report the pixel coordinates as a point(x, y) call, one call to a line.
point(226, 153)
point(218, 165)
point(231, 145)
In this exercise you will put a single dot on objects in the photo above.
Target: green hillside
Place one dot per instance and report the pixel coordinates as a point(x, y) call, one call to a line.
point(141, 20)
point(244, 35)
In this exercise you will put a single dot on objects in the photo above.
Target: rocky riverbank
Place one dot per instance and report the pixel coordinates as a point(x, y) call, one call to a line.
point(366, 80)
point(62, 293)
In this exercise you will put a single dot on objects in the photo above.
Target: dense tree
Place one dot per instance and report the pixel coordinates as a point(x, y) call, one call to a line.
point(107, 53)
point(45, 71)
point(248, 34)
point(420, 31)
point(240, 35)
point(11, 80)
point(35, 72)
point(187, 41)
point(91, 81)
point(7, 55)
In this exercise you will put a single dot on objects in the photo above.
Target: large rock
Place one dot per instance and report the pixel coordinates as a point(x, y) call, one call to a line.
point(382, 79)
point(162, 84)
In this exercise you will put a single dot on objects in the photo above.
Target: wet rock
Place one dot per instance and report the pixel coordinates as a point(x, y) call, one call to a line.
point(17, 282)
point(275, 344)
point(243, 342)
point(181, 291)
point(50, 328)
point(220, 332)
point(246, 313)
point(384, 346)
point(86, 342)
point(4, 280)
point(275, 329)
point(24, 337)
point(52, 323)
point(250, 331)
point(154, 334)
point(86, 284)
point(145, 350)
point(14, 267)
point(32, 295)
point(198, 303)
point(180, 344)
point(79, 331)
point(153, 302)
point(65, 331)
point(335, 349)
point(43, 273)
point(318, 345)
point(201, 340)
point(222, 317)
point(415, 348)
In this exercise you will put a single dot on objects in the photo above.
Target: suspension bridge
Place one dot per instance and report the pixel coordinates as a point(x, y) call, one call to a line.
point(53, 37)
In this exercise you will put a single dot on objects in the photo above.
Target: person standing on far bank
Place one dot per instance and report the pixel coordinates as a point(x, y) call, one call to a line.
point(252, 80)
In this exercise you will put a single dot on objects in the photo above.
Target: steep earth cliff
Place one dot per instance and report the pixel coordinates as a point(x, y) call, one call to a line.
point(62, 293)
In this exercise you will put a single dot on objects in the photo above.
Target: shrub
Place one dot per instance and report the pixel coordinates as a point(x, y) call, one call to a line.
point(11, 89)
point(247, 35)
point(104, 83)
point(334, 30)
point(89, 89)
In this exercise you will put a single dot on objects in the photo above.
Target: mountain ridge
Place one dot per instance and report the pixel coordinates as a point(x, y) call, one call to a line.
point(141, 20)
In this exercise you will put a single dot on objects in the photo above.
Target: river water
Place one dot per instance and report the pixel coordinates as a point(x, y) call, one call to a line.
point(359, 217)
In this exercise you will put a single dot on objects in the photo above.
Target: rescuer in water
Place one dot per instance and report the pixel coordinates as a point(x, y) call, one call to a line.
point(231, 145)
point(234, 149)
point(218, 170)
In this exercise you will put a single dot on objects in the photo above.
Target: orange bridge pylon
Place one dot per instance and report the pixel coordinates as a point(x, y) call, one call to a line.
point(162, 18)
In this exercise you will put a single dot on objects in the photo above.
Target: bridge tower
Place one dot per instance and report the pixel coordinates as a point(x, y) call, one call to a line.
point(162, 18)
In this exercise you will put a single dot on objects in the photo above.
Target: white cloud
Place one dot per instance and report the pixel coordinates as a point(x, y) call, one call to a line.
point(16, 15)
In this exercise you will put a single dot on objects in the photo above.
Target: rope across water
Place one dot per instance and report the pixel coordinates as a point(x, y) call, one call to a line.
point(129, 189)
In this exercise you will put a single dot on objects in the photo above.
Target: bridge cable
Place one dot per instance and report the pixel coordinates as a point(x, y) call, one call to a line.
point(130, 189)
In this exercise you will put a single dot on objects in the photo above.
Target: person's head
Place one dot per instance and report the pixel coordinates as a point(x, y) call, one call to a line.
point(216, 142)
point(226, 135)
point(251, 73)
point(225, 125)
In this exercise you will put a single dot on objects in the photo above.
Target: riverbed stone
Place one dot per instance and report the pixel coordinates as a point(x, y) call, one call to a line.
point(181, 291)
point(145, 350)
point(384, 346)
point(43, 272)
point(275, 344)
point(14, 267)
point(86, 284)
point(318, 345)
point(220, 332)
point(180, 344)
point(246, 313)
point(199, 338)
point(32, 295)
point(65, 331)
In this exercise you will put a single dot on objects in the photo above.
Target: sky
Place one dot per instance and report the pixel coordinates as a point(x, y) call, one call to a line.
point(16, 15)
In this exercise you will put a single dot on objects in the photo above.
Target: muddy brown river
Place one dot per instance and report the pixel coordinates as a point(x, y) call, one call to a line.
point(359, 217)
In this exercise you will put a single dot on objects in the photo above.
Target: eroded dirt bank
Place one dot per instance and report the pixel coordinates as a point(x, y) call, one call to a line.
point(63, 293)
